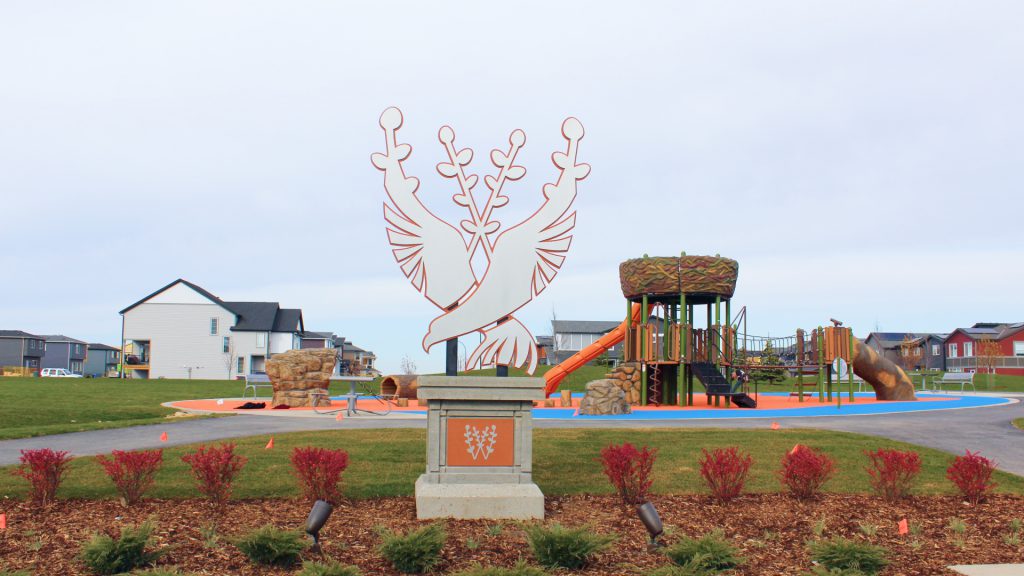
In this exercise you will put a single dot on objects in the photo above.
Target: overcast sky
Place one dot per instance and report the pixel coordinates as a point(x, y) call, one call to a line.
point(862, 160)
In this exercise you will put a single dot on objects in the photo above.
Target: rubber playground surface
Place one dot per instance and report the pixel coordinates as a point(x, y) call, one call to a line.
point(770, 405)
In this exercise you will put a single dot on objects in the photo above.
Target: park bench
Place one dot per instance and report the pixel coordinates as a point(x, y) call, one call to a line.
point(961, 378)
point(254, 381)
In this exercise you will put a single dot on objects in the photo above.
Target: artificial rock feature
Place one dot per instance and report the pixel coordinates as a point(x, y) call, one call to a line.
point(301, 377)
point(604, 397)
point(627, 376)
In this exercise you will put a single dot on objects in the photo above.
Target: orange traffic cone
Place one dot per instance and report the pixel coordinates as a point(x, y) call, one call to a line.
point(163, 437)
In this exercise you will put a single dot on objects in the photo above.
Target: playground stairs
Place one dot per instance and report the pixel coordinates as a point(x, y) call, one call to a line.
point(715, 384)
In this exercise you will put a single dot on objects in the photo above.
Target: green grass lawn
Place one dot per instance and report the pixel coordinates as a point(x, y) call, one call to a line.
point(40, 406)
point(387, 462)
point(1019, 423)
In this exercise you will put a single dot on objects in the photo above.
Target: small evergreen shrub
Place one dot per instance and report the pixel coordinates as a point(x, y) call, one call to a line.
point(329, 568)
point(319, 472)
point(106, 555)
point(725, 471)
point(561, 547)
point(415, 552)
point(844, 554)
point(215, 468)
point(804, 471)
point(712, 553)
point(271, 546)
point(132, 472)
point(520, 569)
point(629, 471)
point(44, 469)
point(892, 472)
point(972, 476)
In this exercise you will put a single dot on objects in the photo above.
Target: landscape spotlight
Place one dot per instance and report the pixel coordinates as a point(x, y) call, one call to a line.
point(649, 516)
point(318, 516)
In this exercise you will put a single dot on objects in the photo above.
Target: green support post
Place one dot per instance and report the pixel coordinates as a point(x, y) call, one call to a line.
point(681, 370)
point(643, 353)
point(718, 335)
point(730, 348)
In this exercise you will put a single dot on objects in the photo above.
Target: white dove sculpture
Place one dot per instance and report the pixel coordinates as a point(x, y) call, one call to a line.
point(521, 261)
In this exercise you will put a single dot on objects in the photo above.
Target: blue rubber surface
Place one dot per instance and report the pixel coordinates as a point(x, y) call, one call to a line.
point(923, 404)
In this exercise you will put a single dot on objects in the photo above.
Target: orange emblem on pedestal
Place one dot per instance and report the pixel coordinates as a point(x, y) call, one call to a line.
point(481, 442)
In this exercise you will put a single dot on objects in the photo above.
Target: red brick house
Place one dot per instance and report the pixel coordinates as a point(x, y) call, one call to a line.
point(964, 345)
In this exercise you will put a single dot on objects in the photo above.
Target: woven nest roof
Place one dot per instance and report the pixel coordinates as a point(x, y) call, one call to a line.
point(701, 278)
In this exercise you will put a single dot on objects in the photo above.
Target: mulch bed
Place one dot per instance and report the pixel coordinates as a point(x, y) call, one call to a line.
point(771, 530)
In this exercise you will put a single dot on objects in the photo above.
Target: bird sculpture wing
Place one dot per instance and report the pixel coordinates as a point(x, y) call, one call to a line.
point(433, 254)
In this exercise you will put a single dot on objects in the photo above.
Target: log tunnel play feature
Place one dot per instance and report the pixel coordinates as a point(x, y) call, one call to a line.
point(400, 386)
point(664, 337)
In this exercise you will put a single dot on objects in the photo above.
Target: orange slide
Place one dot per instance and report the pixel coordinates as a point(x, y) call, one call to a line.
point(555, 376)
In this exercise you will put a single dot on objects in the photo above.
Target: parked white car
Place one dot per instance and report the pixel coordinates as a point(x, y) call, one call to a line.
point(57, 373)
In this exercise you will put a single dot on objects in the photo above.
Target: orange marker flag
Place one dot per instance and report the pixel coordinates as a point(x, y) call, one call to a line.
point(902, 527)
point(269, 444)
point(775, 426)
point(163, 437)
point(3, 521)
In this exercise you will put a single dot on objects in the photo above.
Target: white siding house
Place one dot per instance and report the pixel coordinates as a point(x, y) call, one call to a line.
point(184, 331)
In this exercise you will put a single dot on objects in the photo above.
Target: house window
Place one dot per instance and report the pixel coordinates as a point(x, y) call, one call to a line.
point(227, 344)
point(213, 326)
point(968, 349)
point(261, 339)
point(1018, 348)
point(241, 365)
point(935, 349)
point(952, 351)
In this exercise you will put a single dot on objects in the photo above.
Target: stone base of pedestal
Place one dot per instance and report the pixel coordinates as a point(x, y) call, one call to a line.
point(478, 501)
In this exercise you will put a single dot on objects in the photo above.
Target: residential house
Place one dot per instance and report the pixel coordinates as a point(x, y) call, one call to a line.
point(317, 340)
point(913, 350)
point(102, 361)
point(967, 349)
point(21, 350)
point(64, 352)
point(184, 331)
point(354, 356)
point(571, 336)
point(545, 350)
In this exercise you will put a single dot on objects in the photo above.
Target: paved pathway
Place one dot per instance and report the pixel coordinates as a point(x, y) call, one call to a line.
point(988, 430)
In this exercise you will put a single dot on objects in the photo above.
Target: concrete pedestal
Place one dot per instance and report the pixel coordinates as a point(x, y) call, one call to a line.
point(476, 501)
point(479, 448)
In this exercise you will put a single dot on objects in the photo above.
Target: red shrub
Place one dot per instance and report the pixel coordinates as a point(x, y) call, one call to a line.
point(319, 472)
point(972, 475)
point(725, 471)
point(132, 472)
point(44, 469)
point(805, 470)
point(892, 472)
point(215, 468)
point(629, 470)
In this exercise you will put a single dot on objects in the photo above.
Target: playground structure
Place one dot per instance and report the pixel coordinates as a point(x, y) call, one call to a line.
point(661, 335)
